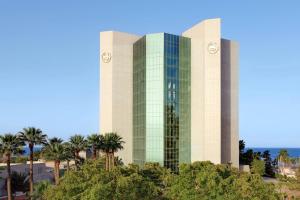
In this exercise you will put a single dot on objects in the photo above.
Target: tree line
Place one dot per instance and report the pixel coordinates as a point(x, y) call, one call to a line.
point(262, 163)
point(199, 180)
point(102, 178)
point(56, 150)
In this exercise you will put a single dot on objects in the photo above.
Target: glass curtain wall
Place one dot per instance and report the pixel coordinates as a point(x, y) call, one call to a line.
point(184, 100)
point(155, 98)
point(148, 96)
point(139, 101)
point(161, 100)
point(171, 58)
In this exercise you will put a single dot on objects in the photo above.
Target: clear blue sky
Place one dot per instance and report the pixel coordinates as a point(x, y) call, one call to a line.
point(49, 60)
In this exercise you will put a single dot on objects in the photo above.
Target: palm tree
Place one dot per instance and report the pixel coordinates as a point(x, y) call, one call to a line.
point(54, 151)
point(39, 189)
point(112, 142)
point(283, 155)
point(118, 161)
point(283, 158)
point(9, 145)
point(95, 142)
point(78, 143)
point(32, 136)
point(19, 182)
point(68, 154)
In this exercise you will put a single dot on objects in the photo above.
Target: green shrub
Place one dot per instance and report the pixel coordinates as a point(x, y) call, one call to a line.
point(203, 180)
point(200, 180)
point(19, 182)
point(258, 167)
point(20, 159)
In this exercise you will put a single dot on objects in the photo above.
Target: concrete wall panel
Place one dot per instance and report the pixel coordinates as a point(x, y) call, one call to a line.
point(116, 87)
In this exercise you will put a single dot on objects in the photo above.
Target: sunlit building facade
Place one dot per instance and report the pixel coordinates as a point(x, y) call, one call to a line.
point(173, 99)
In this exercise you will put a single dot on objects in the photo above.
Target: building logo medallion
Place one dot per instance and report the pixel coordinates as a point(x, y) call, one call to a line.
point(212, 47)
point(106, 57)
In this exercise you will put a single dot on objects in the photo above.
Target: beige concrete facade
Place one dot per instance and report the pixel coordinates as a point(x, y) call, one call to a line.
point(205, 90)
point(230, 102)
point(116, 87)
point(214, 94)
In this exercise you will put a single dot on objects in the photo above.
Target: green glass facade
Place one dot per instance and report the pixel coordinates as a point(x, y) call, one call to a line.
point(139, 101)
point(161, 100)
point(184, 100)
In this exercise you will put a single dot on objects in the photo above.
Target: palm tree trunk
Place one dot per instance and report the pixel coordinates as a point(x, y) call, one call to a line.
point(77, 160)
point(94, 153)
point(9, 192)
point(107, 161)
point(113, 160)
point(31, 169)
point(68, 165)
point(56, 171)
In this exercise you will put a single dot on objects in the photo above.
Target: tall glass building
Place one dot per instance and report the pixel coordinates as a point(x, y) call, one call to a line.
point(173, 99)
point(161, 99)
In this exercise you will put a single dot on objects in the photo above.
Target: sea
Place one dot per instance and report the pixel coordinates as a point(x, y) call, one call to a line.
point(293, 152)
point(26, 150)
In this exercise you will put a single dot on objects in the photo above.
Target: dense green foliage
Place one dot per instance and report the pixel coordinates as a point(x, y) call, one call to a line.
point(203, 180)
point(258, 167)
point(298, 174)
point(269, 166)
point(250, 157)
point(20, 182)
point(19, 159)
point(247, 157)
point(93, 182)
point(283, 156)
point(107, 178)
point(200, 180)
point(39, 189)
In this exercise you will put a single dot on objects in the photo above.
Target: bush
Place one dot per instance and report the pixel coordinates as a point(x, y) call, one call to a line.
point(19, 182)
point(39, 189)
point(285, 178)
point(203, 180)
point(258, 167)
point(92, 182)
point(20, 159)
point(298, 174)
point(200, 180)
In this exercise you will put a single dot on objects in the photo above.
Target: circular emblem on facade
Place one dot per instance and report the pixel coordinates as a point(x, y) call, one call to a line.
point(106, 57)
point(212, 47)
